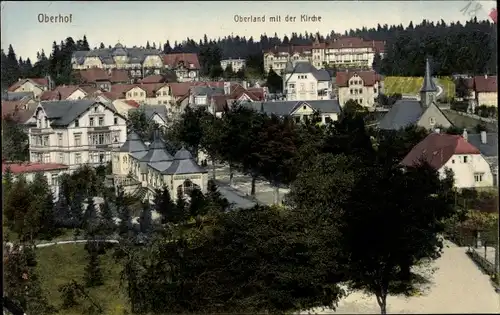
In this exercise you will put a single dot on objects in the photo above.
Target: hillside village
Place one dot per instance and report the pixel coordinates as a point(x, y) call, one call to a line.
point(138, 145)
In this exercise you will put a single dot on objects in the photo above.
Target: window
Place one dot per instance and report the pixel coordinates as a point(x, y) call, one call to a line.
point(78, 139)
point(45, 140)
point(453, 161)
point(328, 120)
point(165, 93)
point(54, 179)
point(59, 139)
point(432, 121)
point(135, 93)
point(115, 121)
point(297, 119)
point(77, 123)
point(478, 177)
point(100, 121)
point(351, 91)
point(360, 101)
point(95, 109)
point(465, 159)
point(101, 158)
point(46, 122)
point(78, 158)
point(61, 158)
point(46, 158)
point(304, 107)
point(91, 121)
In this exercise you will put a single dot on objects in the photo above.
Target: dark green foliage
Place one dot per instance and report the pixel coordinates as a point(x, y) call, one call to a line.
point(90, 218)
point(146, 220)
point(181, 209)
point(215, 202)
point(14, 141)
point(393, 146)
point(164, 205)
point(274, 82)
point(21, 282)
point(453, 130)
point(269, 266)
point(197, 203)
point(125, 225)
point(461, 88)
point(460, 106)
point(107, 222)
point(93, 274)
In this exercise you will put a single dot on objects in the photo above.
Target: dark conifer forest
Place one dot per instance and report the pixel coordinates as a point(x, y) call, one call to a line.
point(454, 48)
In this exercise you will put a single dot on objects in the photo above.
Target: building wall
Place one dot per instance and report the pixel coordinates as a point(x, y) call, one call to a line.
point(465, 167)
point(30, 87)
point(487, 98)
point(136, 94)
point(53, 179)
point(300, 87)
point(357, 91)
point(304, 111)
point(75, 145)
point(236, 64)
point(77, 95)
point(433, 114)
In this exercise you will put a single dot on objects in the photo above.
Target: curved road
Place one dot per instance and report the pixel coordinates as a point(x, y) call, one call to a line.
point(41, 245)
point(439, 87)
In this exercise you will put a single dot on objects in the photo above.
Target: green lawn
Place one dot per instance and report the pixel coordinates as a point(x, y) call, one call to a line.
point(412, 85)
point(59, 264)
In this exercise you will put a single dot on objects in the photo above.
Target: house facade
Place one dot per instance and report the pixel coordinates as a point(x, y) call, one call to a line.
point(487, 143)
point(34, 85)
point(364, 87)
point(343, 52)
point(75, 133)
point(303, 81)
point(236, 64)
point(52, 171)
point(486, 90)
point(424, 112)
point(141, 169)
point(300, 111)
point(444, 151)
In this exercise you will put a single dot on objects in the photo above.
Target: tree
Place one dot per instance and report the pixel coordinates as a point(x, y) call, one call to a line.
point(274, 82)
point(197, 203)
point(107, 222)
point(164, 205)
point(90, 219)
point(229, 72)
point(190, 129)
point(138, 122)
point(382, 263)
point(101, 46)
point(286, 276)
point(93, 274)
point(15, 140)
point(181, 209)
point(215, 202)
point(146, 219)
point(76, 208)
point(461, 89)
point(377, 62)
point(393, 146)
point(16, 206)
point(21, 283)
point(42, 209)
point(125, 225)
point(211, 140)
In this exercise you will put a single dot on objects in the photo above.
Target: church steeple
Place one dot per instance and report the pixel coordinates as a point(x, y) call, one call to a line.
point(428, 90)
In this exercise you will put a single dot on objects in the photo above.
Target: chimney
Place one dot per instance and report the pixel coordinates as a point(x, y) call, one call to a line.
point(227, 88)
point(484, 138)
point(486, 76)
point(244, 84)
point(464, 134)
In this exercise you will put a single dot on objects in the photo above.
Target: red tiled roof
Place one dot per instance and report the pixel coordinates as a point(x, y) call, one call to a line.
point(38, 81)
point(93, 75)
point(132, 103)
point(157, 78)
point(152, 88)
point(180, 89)
point(119, 90)
point(258, 92)
point(64, 90)
point(110, 95)
point(369, 77)
point(437, 149)
point(485, 84)
point(173, 60)
point(119, 76)
point(237, 91)
point(220, 102)
point(18, 168)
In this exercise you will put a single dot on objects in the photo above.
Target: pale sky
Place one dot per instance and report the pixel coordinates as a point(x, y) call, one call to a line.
point(134, 23)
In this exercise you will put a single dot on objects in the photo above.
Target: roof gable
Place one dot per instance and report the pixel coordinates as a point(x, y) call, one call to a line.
point(62, 113)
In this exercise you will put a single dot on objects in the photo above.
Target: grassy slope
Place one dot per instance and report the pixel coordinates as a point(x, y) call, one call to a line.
point(412, 85)
point(60, 264)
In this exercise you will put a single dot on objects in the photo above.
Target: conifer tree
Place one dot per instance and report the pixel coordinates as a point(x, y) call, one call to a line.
point(107, 220)
point(93, 274)
point(146, 219)
point(164, 205)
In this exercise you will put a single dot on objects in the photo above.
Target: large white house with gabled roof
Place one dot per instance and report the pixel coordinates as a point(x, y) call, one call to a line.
point(75, 133)
point(140, 169)
point(303, 82)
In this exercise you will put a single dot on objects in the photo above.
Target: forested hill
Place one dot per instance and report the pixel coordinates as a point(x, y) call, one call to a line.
point(468, 48)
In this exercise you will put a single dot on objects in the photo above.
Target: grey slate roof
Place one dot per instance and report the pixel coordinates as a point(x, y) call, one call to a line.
point(157, 153)
point(135, 54)
point(206, 90)
point(184, 164)
point(62, 113)
point(488, 149)
point(285, 108)
point(16, 96)
point(133, 144)
point(428, 84)
point(307, 67)
point(151, 110)
point(402, 113)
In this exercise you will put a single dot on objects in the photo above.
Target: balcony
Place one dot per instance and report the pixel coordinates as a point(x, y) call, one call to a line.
point(41, 131)
point(99, 129)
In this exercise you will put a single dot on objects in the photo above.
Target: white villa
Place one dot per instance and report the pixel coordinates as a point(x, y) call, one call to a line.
point(140, 169)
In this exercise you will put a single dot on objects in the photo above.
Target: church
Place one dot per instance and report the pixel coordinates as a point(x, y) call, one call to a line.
point(140, 169)
point(424, 112)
